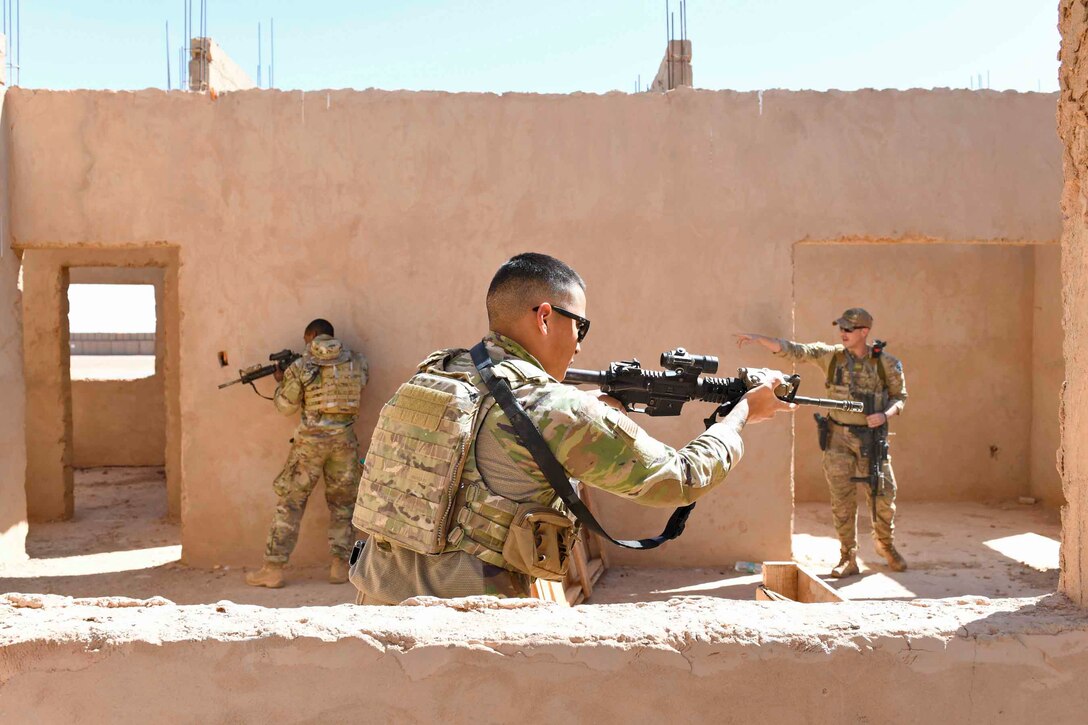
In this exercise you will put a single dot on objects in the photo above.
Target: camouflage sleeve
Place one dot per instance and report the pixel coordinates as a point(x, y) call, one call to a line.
point(603, 448)
point(897, 382)
point(288, 395)
point(817, 353)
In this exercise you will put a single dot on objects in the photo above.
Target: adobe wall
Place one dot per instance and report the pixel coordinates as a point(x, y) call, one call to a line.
point(118, 422)
point(978, 328)
point(13, 526)
point(975, 660)
point(388, 212)
point(1072, 122)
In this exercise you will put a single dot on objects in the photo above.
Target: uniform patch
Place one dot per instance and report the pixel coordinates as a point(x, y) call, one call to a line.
point(622, 422)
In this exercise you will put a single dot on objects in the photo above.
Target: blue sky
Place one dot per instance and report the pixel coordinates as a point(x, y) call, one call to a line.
point(556, 46)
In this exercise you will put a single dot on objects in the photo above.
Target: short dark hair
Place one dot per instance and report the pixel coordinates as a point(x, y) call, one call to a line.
point(320, 326)
point(525, 276)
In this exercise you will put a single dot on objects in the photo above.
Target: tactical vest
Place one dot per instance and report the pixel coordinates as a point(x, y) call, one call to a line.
point(420, 485)
point(335, 389)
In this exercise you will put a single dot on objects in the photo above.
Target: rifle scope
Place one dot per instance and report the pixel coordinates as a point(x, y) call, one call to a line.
point(681, 359)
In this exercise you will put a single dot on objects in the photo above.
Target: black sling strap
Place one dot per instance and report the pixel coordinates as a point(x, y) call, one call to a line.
point(553, 470)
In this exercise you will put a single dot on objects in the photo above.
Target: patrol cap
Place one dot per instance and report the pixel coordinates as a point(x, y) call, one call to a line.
point(326, 350)
point(854, 317)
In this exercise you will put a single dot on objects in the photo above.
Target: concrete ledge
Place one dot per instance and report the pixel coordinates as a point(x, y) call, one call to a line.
point(975, 660)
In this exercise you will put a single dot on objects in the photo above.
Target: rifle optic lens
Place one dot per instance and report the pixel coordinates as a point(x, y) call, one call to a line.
point(681, 358)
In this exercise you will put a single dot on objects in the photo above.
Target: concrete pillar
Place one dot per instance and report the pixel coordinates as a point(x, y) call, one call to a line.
point(48, 386)
point(675, 68)
point(1073, 457)
point(211, 69)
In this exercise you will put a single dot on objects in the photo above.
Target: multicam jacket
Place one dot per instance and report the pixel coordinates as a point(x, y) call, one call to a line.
point(304, 374)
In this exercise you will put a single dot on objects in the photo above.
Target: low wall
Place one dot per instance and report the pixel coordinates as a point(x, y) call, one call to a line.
point(118, 422)
point(975, 660)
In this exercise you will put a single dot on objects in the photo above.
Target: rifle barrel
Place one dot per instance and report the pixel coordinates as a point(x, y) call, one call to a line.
point(850, 406)
point(585, 377)
point(232, 382)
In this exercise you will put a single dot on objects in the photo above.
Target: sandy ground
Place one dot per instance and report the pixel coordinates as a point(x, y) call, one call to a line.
point(112, 367)
point(120, 544)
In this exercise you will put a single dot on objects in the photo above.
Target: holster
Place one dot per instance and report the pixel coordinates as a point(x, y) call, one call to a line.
point(823, 430)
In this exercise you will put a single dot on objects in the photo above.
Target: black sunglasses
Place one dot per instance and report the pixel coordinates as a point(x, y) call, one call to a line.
point(846, 329)
point(579, 322)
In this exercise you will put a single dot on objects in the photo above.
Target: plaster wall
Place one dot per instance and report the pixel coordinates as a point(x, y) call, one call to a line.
point(962, 317)
point(1073, 460)
point(13, 524)
point(975, 660)
point(1047, 374)
point(681, 210)
point(118, 423)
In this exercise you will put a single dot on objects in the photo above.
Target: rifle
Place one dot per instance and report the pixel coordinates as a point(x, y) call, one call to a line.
point(664, 392)
point(874, 446)
point(280, 361)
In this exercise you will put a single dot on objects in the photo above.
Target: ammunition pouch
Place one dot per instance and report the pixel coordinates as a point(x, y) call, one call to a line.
point(539, 542)
point(823, 430)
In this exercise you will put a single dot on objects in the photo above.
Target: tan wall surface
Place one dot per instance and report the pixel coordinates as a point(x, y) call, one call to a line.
point(118, 422)
point(48, 389)
point(1047, 374)
point(960, 317)
point(13, 525)
point(947, 661)
point(1072, 122)
point(680, 210)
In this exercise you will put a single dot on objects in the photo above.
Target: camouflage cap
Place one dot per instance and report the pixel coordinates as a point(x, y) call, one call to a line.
point(854, 317)
point(327, 350)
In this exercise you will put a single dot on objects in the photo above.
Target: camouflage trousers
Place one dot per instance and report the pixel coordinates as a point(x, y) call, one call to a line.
point(844, 460)
point(335, 457)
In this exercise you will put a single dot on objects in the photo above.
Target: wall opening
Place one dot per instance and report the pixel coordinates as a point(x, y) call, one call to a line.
point(978, 328)
point(100, 356)
point(111, 331)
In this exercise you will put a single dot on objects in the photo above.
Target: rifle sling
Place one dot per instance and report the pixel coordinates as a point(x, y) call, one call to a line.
point(553, 470)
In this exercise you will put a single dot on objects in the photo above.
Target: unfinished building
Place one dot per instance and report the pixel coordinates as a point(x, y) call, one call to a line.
point(700, 213)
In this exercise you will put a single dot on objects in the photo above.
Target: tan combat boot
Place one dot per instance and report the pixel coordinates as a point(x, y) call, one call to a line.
point(338, 571)
point(270, 575)
point(848, 564)
point(895, 560)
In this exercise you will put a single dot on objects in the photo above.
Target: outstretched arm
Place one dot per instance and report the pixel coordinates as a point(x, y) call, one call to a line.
point(747, 338)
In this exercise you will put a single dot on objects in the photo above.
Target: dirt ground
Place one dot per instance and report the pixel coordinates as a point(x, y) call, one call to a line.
point(120, 544)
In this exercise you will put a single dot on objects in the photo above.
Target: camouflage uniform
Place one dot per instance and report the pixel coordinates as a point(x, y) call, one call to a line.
point(848, 378)
point(598, 445)
point(324, 444)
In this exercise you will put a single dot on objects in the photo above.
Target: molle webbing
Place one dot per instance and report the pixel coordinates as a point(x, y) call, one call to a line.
point(840, 357)
point(413, 467)
point(336, 390)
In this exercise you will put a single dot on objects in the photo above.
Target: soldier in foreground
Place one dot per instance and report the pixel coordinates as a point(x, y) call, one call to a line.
point(457, 505)
point(325, 383)
point(853, 369)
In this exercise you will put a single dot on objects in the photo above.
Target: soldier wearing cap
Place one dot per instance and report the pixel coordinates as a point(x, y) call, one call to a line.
point(325, 383)
point(852, 370)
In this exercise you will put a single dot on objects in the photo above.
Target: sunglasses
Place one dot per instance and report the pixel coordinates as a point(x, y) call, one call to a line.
point(846, 329)
point(581, 323)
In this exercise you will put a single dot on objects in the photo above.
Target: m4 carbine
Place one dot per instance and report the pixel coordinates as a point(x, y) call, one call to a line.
point(664, 392)
point(280, 361)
